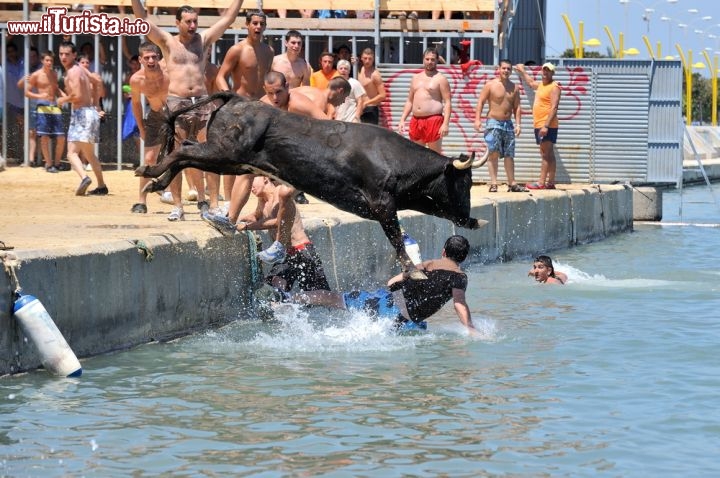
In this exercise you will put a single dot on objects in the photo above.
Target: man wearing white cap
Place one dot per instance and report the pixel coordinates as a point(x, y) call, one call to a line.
point(545, 122)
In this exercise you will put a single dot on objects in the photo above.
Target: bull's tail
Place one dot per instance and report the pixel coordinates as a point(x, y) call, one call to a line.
point(167, 130)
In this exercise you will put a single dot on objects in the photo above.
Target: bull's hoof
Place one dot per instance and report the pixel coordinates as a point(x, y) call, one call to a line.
point(473, 223)
point(140, 172)
point(417, 274)
point(152, 186)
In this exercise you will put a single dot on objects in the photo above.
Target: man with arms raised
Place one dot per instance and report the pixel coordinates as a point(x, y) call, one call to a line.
point(185, 55)
point(152, 82)
point(296, 70)
point(84, 131)
point(371, 80)
point(503, 98)
point(429, 102)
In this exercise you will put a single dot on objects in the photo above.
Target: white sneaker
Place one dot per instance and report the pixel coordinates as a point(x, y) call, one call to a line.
point(167, 198)
point(177, 214)
point(88, 167)
point(192, 195)
point(274, 253)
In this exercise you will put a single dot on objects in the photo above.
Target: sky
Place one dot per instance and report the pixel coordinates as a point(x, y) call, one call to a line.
point(662, 24)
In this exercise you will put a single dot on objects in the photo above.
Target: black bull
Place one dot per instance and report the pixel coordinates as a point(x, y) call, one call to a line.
point(363, 169)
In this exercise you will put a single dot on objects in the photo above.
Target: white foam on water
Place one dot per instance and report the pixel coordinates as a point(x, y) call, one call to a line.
point(578, 277)
point(312, 330)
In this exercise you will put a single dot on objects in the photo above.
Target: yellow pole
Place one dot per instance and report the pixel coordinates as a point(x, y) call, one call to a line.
point(580, 53)
point(621, 38)
point(687, 66)
point(713, 66)
point(646, 40)
point(659, 51)
point(612, 42)
point(566, 19)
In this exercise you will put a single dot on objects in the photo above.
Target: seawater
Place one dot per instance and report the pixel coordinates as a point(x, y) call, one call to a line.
point(614, 374)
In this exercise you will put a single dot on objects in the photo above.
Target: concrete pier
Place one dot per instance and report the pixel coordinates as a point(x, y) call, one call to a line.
point(112, 280)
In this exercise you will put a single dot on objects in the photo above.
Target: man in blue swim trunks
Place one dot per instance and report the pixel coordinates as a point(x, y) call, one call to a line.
point(407, 300)
point(42, 89)
point(503, 98)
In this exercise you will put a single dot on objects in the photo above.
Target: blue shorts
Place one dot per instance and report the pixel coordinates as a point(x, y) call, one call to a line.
point(378, 303)
point(84, 125)
point(49, 120)
point(551, 136)
point(500, 137)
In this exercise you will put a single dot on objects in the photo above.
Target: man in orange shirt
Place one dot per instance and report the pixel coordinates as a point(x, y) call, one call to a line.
point(545, 122)
point(322, 77)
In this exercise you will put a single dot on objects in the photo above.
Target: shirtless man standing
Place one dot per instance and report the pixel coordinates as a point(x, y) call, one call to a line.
point(186, 55)
point(429, 102)
point(503, 98)
point(42, 86)
point(248, 62)
point(84, 131)
point(279, 95)
point(296, 70)
point(371, 80)
point(152, 82)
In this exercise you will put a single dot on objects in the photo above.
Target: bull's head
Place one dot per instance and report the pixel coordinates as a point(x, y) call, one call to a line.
point(463, 162)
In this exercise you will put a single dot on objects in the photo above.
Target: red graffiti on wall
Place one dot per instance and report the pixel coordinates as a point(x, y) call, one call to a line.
point(465, 89)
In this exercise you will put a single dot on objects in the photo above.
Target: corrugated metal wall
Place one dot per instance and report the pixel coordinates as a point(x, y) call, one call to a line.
point(619, 120)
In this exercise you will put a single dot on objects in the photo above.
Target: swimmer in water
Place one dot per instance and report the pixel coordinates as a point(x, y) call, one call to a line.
point(544, 272)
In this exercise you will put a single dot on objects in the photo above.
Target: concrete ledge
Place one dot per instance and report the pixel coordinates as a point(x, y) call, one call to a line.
point(107, 297)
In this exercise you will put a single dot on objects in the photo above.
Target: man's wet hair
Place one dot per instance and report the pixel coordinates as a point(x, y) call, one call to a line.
point(547, 261)
point(149, 46)
point(274, 77)
point(254, 13)
point(340, 83)
point(47, 53)
point(457, 248)
point(293, 34)
point(68, 44)
point(432, 50)
point(183, 9)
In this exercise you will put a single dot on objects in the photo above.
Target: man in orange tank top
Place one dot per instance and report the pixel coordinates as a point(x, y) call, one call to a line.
point(545, 122)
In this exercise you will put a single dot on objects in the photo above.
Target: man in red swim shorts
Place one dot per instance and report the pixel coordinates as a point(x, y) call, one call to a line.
point(429, 102)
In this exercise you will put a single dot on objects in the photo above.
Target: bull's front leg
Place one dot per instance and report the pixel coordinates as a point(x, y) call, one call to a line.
point(391, 227)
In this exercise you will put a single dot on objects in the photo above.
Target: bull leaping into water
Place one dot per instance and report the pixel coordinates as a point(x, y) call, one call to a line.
point(362, 169)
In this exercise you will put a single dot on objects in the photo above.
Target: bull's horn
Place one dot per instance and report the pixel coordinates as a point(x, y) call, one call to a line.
point(458, 164)
point(482, 160)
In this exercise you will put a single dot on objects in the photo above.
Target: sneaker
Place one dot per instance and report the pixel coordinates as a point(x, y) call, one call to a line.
point(301, 199)
point(84, 184)
point(177, 214)
point(516, 188)
point(139, 208)
point(99, 191)
point(549, 185)
point(192, 195)
point(268, 293)
point(166, 197)
point(52, 169)
point(217, 211)
point(535, 186)
point(221, 223)
point(88, 167)
point(204, 207)
point(274, 253)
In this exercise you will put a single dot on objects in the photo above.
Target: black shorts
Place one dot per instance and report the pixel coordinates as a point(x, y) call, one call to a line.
point(371, 115)
point(302, 264)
